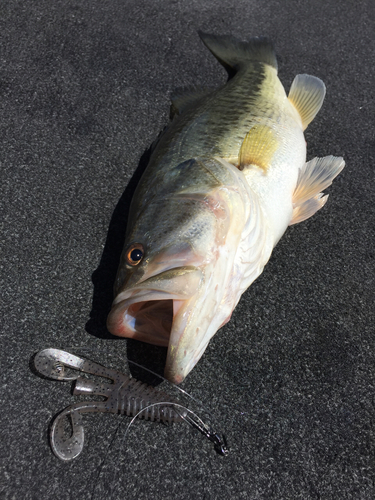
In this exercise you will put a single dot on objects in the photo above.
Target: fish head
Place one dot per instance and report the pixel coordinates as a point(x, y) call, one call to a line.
point(175, 278)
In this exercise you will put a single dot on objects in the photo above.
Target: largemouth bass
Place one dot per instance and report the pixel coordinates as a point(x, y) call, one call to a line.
point(223, 183)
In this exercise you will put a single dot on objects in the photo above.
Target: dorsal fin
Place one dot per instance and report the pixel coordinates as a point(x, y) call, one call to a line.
point(313, 177)
point(183, 98)
point(307, 95)
point(235, 55)
point(258, 147)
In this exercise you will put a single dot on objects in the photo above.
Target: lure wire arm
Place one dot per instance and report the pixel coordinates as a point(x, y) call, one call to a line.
point(219, 440)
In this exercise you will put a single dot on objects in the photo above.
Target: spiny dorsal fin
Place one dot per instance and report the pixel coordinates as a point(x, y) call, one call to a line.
point(313, 177)
point(183, 98)
point(258, 147)
point(307, 96)
point(234, 54)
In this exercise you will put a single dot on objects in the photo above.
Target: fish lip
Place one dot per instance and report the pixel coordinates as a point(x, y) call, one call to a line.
point(150, 282)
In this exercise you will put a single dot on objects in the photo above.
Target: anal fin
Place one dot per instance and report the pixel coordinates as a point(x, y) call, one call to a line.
point(314, 177)
point(307, 95)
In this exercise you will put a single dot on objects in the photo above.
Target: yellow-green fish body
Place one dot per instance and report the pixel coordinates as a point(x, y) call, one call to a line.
point(224, 181)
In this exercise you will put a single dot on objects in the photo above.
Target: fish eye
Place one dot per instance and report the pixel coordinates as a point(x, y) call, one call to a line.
point(134, 254)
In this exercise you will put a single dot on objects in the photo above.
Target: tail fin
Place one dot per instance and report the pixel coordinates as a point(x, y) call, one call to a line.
point(235, 55)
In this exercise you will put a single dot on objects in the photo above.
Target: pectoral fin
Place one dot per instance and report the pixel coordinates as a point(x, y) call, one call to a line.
point(258, 147)
point(313, 177)
point(307, 95)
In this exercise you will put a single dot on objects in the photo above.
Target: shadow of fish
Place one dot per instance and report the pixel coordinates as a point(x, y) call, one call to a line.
point(223, 183)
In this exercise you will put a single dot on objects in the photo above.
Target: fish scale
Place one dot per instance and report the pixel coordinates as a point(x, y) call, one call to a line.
point(228, 106)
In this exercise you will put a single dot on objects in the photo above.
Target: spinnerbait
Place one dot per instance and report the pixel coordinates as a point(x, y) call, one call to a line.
point(125, 395)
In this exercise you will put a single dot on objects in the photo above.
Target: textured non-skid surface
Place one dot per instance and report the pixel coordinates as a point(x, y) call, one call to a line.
point(85, 89)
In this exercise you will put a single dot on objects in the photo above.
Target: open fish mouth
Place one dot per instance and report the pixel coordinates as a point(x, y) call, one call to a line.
point(148, 310)
point(151, 319)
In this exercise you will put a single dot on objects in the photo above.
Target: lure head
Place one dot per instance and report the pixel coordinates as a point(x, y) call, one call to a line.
point(175, 283)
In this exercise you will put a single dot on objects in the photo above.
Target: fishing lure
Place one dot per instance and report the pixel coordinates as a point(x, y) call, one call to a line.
point(125, 395)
